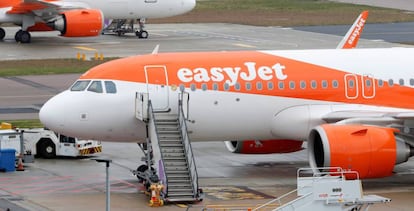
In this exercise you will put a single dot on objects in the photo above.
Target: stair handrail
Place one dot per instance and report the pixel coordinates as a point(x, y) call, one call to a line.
point(152, 117)
point(187, 147)
point(318, 174)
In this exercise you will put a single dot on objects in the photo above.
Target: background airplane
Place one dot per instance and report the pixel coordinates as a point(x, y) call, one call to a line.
point(81, 18)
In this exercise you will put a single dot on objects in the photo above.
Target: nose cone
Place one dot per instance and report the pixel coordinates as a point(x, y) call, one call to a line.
point(52, 113)
point(189, 5)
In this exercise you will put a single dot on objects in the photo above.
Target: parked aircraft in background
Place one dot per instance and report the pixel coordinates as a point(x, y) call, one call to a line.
point(81, 18)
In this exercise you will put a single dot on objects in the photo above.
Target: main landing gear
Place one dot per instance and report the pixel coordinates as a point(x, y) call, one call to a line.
point(22, 36)
point(2, 33)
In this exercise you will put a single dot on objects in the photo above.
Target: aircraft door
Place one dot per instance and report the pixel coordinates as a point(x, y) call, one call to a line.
point(351, 86)
point(157, 86)
point(368, 86)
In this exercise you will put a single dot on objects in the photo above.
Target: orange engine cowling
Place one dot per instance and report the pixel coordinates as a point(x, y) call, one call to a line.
point(372, 151)
point(264, 147)
point(79, 23)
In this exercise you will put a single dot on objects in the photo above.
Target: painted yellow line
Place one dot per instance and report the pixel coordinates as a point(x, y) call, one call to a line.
point(85, 48)
point(244, 45)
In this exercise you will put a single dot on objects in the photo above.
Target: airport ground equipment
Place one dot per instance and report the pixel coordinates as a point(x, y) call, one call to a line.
point(46, 143)
point(12, 139)
point(328, 189)
point(123, 26)
point(168, 155)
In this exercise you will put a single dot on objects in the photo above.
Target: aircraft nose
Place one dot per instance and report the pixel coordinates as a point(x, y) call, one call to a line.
point(189, 4)
point(52, 112)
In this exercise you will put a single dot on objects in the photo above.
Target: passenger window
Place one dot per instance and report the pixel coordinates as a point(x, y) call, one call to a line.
point(226, 87)
point(302, 84)
point(313, 84)
point(204, 87)
point(350, 84)
point(380, 83)
point(270, 85)
point(281, 85)
point(80, 85)
point(335, 84)
point(291, 84)
point(325, 84)
point(237, 86)
point(259, 85)
point(248, 86)
point(182, 87)
point(401, 82)
point(215, 86)
point(368, 83)
point(412, 82)
point(96, 86)
point(193, 87)
point(110, 87)
point(391, 82)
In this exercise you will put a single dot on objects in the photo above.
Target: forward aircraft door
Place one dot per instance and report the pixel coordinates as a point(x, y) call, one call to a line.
point(157, 86)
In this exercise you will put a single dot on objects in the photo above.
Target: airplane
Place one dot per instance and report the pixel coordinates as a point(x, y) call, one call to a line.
point(353, 107)
point(82, 18)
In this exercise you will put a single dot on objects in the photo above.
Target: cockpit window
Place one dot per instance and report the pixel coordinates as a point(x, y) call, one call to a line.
point(110, 87)
point(96, 86)
point(79, 85)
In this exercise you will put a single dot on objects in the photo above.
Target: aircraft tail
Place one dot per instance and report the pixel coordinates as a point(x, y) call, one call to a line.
point(351, 38)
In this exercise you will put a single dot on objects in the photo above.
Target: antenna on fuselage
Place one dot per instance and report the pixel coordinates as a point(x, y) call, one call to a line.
point(155, 51)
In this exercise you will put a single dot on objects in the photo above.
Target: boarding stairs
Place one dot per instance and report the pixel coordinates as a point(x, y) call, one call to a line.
point(326, 189)
point(172, 155)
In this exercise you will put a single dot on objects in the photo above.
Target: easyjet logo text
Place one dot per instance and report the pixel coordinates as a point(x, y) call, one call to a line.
point(247, 72)
point(357, 31)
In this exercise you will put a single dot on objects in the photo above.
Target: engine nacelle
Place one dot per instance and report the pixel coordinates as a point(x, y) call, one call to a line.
point(79, 23)
point(370, 150)
point(263, 147)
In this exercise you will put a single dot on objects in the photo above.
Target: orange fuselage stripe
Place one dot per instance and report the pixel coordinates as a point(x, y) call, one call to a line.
point(273, 68)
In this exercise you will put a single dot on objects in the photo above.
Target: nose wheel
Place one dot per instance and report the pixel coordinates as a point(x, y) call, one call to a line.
point(142, 34)
point(22, 36)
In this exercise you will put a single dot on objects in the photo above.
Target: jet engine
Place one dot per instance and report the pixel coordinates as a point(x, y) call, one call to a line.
point(372, 151)
point(79, 23)
point(263, 147)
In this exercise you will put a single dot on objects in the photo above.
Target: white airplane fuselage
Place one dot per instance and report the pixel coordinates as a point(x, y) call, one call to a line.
point(242, 98)
point(115, 9)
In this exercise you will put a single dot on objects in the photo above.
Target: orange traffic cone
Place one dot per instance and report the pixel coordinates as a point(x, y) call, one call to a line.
point(20, 166)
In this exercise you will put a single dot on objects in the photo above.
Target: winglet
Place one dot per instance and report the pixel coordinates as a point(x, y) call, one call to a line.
point(155, 51)
point(351, 38)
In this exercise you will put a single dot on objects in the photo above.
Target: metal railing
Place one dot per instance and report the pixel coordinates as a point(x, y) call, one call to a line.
point(187, 147)
point(160, 165)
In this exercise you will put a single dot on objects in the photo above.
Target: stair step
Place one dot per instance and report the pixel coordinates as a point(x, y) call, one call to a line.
point(180, 189)
point(180, 194)
point(168, 163)
point(179, 185)
point(181, 199)
point(181, 181)
point(176, 168)
point(178, 176)
point(172, 150)
point(174, 171)
point(163, 144)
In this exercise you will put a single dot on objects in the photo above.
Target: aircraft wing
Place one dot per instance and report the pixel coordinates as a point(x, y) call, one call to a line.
point(45, 9)
point(403, 121)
